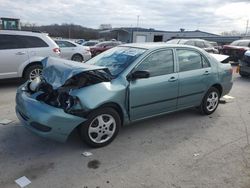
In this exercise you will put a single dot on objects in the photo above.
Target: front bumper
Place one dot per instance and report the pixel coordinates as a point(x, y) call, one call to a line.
point(44, 120)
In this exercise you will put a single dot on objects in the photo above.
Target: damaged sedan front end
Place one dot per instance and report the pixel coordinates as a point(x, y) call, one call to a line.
point(46, 105)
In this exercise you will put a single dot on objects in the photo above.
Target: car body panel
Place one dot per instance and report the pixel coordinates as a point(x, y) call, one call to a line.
point(159, 96)
point(137, 99)
point(11, 61)
point(29, 110)
point(244, 64)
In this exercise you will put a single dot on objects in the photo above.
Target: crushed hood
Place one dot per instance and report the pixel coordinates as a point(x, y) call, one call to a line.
point(219, 57)
point(57, 71)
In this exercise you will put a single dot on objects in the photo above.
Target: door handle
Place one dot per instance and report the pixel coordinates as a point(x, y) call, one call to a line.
point(20, 53)
point(172, 79)
point(206, 73)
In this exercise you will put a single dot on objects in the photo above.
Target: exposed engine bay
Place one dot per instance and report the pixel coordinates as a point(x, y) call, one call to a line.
point(60, 97)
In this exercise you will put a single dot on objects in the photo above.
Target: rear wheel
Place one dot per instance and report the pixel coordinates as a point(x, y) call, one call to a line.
point(101, 128)
point(77, 57)
point(33, 71)
point(210, 101)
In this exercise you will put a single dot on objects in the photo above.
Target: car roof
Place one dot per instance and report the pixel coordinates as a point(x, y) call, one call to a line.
point(155, 45)
point(67, 40)
point(17, 32)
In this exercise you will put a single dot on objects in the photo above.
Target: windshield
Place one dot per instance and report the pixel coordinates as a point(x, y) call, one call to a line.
point(117, 59)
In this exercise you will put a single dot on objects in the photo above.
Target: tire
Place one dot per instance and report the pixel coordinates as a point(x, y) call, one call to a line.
point(77, 57)
point(101, 128)
point(32, 71)
point(210, 101)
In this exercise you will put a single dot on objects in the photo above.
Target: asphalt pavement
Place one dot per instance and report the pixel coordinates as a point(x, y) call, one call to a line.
point(178, 150)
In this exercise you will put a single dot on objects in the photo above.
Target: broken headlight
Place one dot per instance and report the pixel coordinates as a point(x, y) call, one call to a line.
point(33, 85)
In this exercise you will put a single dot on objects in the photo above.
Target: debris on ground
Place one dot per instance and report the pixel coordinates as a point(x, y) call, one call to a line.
point(23, 181)
point(5, 121)
point(196, 154)
point(225, 99)
point(87, 154)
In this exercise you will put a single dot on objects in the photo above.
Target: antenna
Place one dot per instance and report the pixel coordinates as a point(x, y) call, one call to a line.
point(246, 28)
point(137, 24)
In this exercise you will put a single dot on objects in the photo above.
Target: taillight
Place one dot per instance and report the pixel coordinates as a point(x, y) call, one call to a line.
point(243, 49)
point(57, 50)
point(231, 70)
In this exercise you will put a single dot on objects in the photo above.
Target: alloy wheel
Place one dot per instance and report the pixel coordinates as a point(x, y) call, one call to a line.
point(35, 73)
point(212, 101)
point(102, 128)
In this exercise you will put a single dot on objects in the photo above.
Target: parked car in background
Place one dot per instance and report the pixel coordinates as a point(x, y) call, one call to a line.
point(80, 41)
point(200, 43)
point(103, 46)
point(73, 51)
point(216, 46)
point(244, 65)
point(90, 43)
point(125, 84)
point(21, 53)
point(236, 49)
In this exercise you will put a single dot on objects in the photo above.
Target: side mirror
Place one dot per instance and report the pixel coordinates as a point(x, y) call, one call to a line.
point(138, 75)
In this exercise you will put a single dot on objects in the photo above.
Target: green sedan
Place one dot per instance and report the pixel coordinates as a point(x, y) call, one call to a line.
point(127, 83)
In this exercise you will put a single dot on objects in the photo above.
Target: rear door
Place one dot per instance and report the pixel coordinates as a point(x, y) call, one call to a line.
point(13, 53)
point(36, 46)
point(158, 93)
point(195, 76)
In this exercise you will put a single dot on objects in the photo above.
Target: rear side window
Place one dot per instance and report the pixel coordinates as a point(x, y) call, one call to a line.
point(19, 41)
point(10, 42)
point(190, 42)
point(244, 43)
point(191, 60)
point(199, 44)
point(32, 42)
point(158, 63)
point(64, 44)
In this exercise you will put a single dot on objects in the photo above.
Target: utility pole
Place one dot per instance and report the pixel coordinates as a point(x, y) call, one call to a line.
point(138, 17)
point(69, 31)
point(246, 28)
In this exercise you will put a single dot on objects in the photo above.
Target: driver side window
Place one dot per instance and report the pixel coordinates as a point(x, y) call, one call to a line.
point(158, 63)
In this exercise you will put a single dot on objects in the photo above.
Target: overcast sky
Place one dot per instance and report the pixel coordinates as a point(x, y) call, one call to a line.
point(208, 15)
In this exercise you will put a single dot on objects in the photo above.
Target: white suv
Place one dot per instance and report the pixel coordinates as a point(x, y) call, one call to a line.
point(21, 53)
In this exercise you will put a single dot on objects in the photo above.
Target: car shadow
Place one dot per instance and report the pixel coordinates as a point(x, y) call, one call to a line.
point(16, 140)
point(4, 83)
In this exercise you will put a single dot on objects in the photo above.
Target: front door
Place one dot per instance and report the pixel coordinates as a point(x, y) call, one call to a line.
point(158, 93)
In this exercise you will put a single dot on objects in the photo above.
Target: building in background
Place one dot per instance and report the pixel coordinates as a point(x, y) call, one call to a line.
point(10, 24)
point(132, 34)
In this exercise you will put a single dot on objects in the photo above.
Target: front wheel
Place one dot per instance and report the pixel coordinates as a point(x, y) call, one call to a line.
point(101, 127)
point(210, 101)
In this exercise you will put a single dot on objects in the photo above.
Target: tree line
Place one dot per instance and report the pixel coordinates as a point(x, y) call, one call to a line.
point(64, 30)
